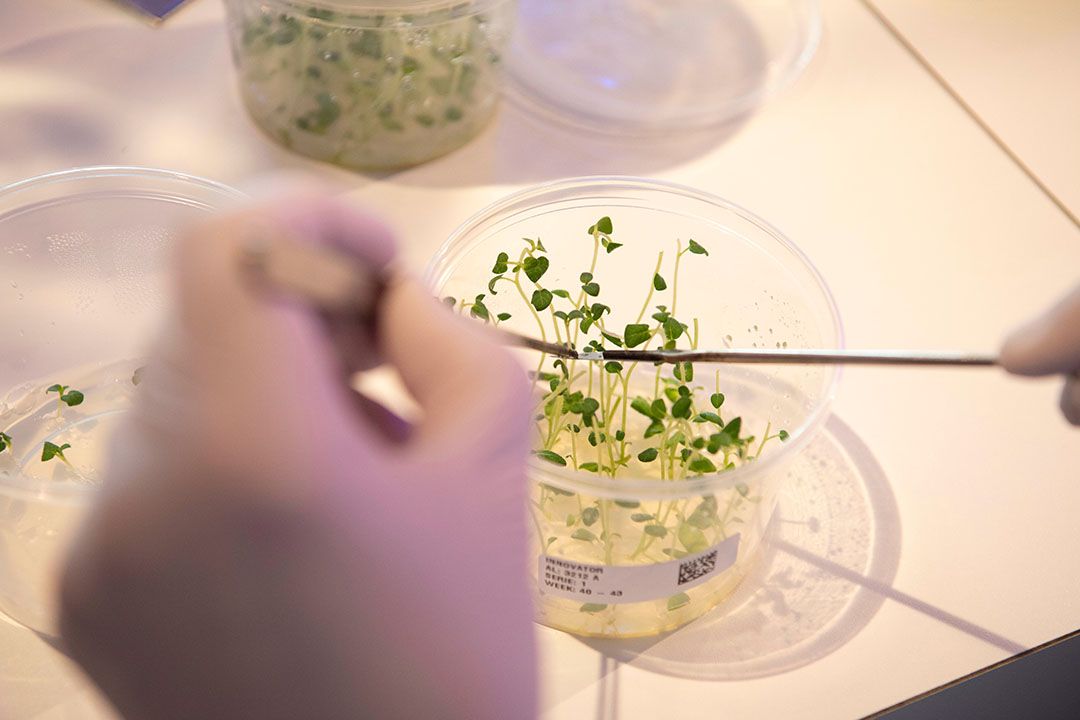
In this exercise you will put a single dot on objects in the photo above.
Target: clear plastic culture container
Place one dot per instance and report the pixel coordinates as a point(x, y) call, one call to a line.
point(82, 262)
point(648, 505)
point(370, 85)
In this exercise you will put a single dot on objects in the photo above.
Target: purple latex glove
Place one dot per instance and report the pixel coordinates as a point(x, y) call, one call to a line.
point(269, 545)
point(1050, 345)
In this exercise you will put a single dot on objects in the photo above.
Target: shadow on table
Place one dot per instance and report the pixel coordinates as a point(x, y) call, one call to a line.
point(130, 95)
point(177, 107)
point(828, 563)
point(837, 511)
point(519, 148)
point(37, 681)
point(570, 93)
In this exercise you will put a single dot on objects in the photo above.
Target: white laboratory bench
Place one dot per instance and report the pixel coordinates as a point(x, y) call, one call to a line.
point(933, 530)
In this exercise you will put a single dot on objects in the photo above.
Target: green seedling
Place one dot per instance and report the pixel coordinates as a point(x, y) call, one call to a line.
point(5, 442)
point(51, 450)
point(587, 417)
point(65, 396)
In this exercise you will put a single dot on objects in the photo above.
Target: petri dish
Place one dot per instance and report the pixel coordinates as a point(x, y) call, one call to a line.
point(83, 257)
point(647, 67)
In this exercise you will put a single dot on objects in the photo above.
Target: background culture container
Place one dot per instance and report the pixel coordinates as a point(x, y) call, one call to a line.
point(755, 288)
point(82, 262)
point(650, 67)
point(370, 85)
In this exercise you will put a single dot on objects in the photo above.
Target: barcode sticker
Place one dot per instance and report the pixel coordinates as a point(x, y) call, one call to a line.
point(612, 584)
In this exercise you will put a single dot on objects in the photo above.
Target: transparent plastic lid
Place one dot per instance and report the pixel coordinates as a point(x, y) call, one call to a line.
point(83, 260)
point(324, 10)
point(649, 66)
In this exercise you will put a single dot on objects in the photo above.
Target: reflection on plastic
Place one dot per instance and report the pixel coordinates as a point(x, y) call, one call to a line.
point(788, 612)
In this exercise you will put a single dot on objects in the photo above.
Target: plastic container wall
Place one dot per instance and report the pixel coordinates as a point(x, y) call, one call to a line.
point(753, 289)
point(370, 85)
point(82, 281)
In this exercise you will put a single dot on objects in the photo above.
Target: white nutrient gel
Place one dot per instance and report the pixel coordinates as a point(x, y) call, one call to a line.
point(612, 584)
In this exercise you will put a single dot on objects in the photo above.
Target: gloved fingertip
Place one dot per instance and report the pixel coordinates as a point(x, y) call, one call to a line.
point(451, 365)
point(1020, 353)
point(1048, 345)
point(312, 210)
point(1015, 354)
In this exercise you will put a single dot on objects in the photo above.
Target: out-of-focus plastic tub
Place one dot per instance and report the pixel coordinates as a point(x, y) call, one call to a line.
point(599, 571)
point(370, 85)
point(82, 262)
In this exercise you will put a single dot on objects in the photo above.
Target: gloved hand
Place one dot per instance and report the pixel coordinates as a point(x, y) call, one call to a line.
point(268, 545)
point(1050, 345)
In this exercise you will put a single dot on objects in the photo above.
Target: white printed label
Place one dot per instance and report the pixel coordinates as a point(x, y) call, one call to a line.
point(611, 584)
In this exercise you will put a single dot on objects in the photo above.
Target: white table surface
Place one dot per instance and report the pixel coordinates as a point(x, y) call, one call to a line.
point(929, 235)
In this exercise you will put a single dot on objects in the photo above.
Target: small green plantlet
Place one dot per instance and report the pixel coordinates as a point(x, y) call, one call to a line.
point(583, 534)
point(51, 450)
point(5, 442)
point(636, 334)
point(541, 299)
point(535, 267)
point(65, 396)
point(551, 457)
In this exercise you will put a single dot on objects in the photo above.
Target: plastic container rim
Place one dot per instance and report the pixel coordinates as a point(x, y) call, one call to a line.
point(104, 171)
point(642, 487)
point(302, 7)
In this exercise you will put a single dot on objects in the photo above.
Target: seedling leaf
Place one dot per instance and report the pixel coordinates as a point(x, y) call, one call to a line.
point(550, 456)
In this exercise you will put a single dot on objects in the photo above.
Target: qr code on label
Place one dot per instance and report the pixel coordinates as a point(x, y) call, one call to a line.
point(699, 567)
